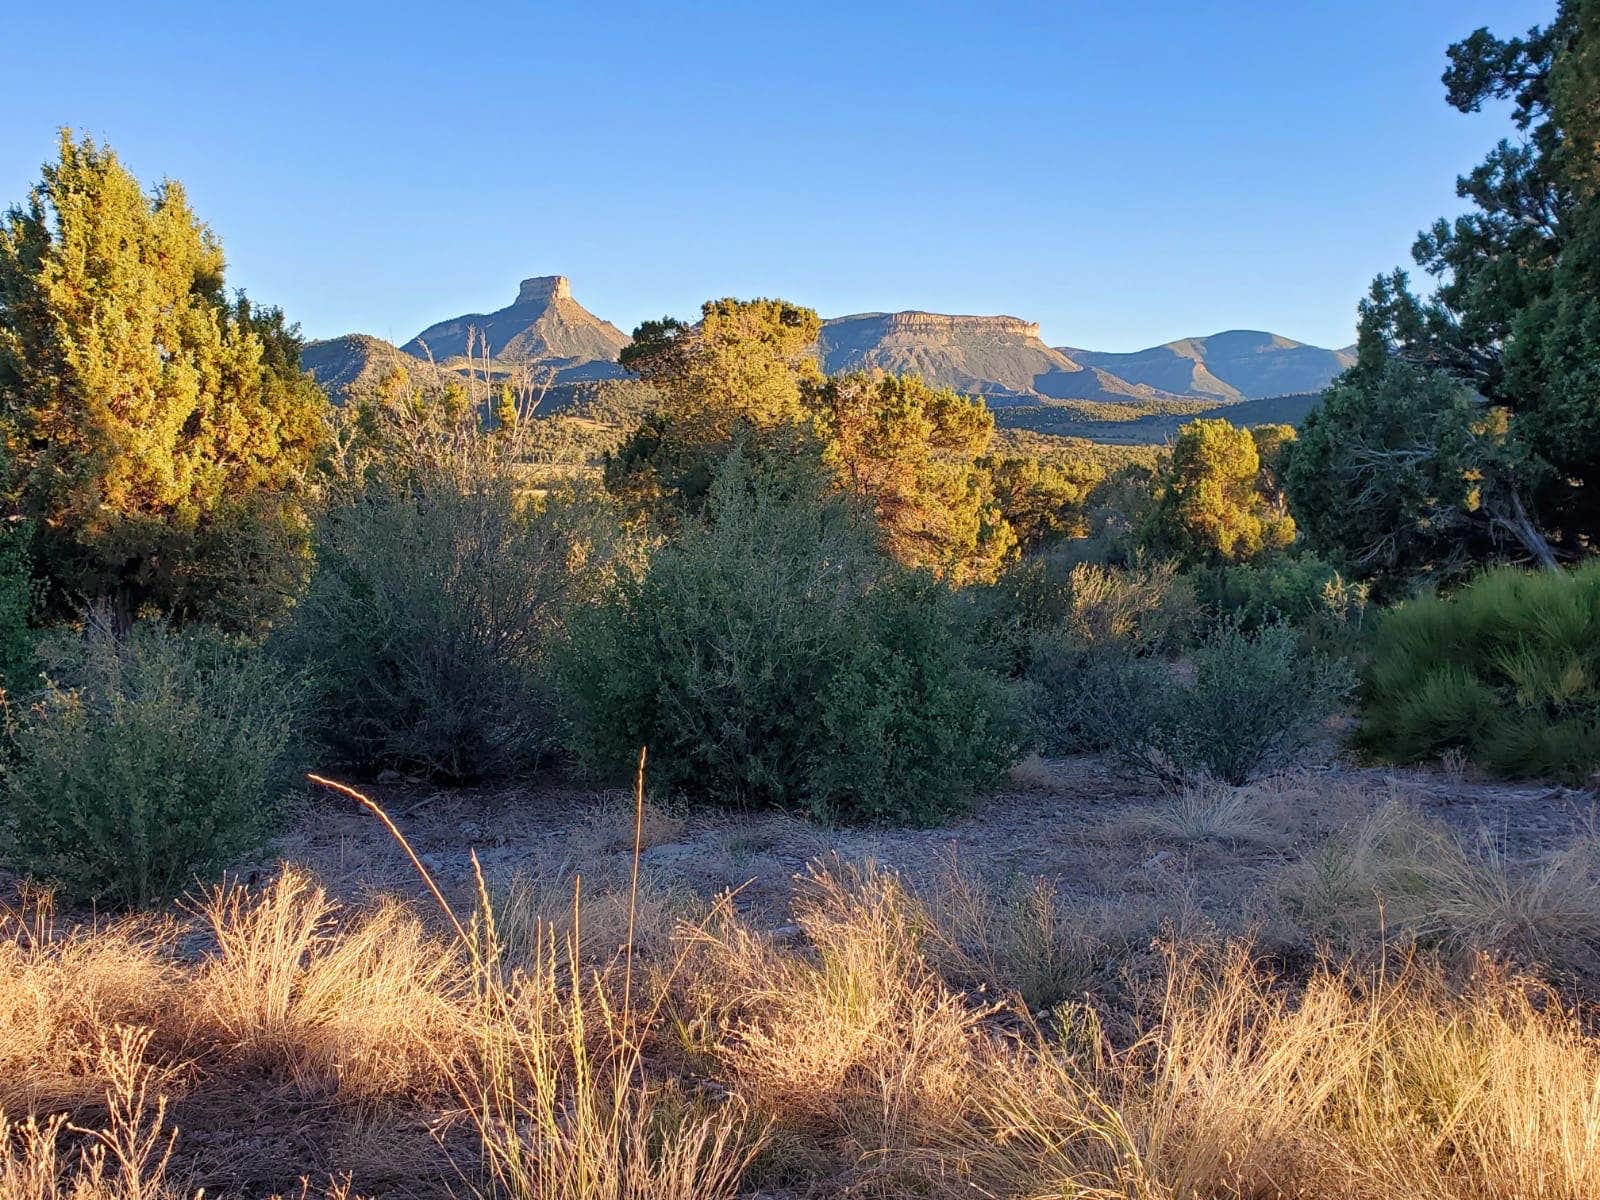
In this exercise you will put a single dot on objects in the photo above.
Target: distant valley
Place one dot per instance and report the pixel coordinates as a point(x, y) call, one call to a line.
point(545, 334)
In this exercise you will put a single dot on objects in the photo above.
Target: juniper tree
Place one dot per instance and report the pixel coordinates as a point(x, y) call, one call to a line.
point(1512, 328)
point(158, 434)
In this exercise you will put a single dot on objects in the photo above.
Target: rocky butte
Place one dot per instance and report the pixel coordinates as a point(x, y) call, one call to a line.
point(544, 325)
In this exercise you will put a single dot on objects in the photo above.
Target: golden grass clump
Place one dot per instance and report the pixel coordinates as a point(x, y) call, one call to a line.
point(1376, 1087)
point(851, 1048)
point(558, 1091)
point(62, 989)
point(1017, 939)
point(554, 1079)
point(369, 1007)
point(1395, 874)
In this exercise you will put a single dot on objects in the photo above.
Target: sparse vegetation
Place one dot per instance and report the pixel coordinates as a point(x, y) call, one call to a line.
point(886, 1051)
point(1197, 953)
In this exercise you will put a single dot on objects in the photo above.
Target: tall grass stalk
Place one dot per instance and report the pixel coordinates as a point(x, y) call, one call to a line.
point(555, 1085)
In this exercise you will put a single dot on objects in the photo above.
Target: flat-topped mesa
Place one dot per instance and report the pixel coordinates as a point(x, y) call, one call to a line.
point(543, 288)
point(997, 356)
point(929, 322)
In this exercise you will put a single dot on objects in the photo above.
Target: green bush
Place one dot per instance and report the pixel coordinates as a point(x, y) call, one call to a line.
point(1256, 699)
point(1506, 670)
point(148, 760)
point(1304, 591)
point(1096, 633)
point(1055, 599)
point(913, 727)
point(1088, 699)
point(428, 622)
point(773, 656)
point(1251, 701)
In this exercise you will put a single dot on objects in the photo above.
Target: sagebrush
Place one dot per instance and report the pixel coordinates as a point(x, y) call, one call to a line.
point(774, 656)
point(431, 616)
point(1243, 702)
point(150, 758)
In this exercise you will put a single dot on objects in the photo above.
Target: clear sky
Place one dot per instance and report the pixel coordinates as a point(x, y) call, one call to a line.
point(1123, 173)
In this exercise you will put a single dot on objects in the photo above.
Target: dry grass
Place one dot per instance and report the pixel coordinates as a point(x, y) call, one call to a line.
point(847, 1049)
point(126, 1159)
point(1383, 1087)
point(592, 912)
point(367, 1008)
point(1033, 773)
point(1394, 875)
point(1216, 813)
point(128, 1156)
point(1018, 938)
point(1234, 1085)
point(608, 828)
point(616, 1046)
point(558, 1092)
point(63, 990)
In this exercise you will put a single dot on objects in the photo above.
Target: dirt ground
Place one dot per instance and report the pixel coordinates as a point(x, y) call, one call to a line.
point(1090, 833)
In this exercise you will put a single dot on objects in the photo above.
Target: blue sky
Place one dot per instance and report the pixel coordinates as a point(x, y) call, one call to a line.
point(1124, 174)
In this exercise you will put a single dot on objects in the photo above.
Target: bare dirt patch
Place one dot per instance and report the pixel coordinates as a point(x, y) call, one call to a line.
point(1094, 835)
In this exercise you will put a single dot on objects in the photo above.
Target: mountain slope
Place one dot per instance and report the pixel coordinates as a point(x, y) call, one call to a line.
point(544, 326)
point(357, 362)
point(1241, 364)
point(1000, 358)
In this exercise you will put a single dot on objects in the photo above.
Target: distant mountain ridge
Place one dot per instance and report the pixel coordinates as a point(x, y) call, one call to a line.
point(1000, 358)
point(359, 361)
point(1240, 364)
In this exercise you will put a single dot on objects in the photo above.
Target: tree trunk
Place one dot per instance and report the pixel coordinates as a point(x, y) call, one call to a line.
point(1520, 525)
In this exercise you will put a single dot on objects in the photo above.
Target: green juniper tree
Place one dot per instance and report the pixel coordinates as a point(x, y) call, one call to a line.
point(1481, 400)
point(1214, 503)
point(158, 434)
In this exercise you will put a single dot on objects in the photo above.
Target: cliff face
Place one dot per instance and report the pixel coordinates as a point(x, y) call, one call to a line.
point(544, 326)
point(1000, 358)
point(943, 324)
